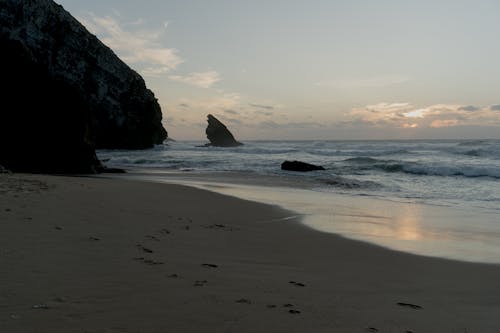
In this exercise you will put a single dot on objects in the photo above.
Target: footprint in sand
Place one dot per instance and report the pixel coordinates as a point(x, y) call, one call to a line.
point(244, 301)
point(145, 249)
point(409, 305)
point(218, 226)
point(153, 262)
point(200, 283)
point(298, 284)
point(60, 299)
point(148, 261)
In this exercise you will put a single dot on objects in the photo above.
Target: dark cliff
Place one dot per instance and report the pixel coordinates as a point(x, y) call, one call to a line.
point(64, 93)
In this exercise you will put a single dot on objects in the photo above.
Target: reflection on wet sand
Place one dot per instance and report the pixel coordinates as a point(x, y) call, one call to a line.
point(404, 226)
point(401, 224)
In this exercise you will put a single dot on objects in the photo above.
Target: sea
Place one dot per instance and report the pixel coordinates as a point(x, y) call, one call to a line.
point(437, 198)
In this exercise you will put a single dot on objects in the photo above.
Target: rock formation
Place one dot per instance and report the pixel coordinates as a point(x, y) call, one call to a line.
point(64, 93)
point(219, 135)
point(300, 166)
point(3, 170)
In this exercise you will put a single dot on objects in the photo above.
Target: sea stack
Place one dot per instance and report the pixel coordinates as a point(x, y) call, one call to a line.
point(64, 93)
point(219, 135)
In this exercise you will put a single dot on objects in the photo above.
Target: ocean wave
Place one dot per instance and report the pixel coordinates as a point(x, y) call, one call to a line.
point(364, 163)
point(416, 168)
point(471, 143)
point(259, 151)
point(490, 152)
point(474, 152)
point(134, 161)
point(361, 160)
point(349, 183)
point(359, 152)
point(444, 170)
point(439, 170)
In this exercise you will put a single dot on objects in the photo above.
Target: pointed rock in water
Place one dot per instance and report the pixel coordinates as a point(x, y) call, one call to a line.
point(219, 135)
point(300, 166)
point(64, 93)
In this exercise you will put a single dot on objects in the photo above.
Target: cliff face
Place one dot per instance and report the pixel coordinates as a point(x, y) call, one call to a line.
point(65, 93)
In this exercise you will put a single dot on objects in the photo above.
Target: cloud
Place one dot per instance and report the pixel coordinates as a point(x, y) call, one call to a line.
point(294, 125)
point(444, 123)
point(261, 106)
point(228, 120)
point(213, 104)
point(138, 47)
point(198, 79)
point(406, 115)
point(264, 113)
point(469, 108)
point(382, 113)
point(380, 81)
point(495, 107)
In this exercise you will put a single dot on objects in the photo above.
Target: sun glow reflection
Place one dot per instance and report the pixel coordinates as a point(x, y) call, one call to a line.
point(406, 225)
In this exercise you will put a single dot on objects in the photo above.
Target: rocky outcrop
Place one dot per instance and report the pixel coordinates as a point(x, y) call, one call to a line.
point(64, 93)
point(300, 166)
point(3, 170)
point(219, 135)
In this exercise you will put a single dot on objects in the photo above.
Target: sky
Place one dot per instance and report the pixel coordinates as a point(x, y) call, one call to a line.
point(312, 69)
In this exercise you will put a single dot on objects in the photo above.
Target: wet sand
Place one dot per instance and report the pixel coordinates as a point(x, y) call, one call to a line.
point(105, 255)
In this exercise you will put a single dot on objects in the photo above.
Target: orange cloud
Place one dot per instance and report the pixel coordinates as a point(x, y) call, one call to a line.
point(405, 115)
point(444, 123)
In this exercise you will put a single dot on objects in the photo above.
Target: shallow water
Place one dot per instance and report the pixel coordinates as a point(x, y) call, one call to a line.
point(437, 198)
point(438, 231)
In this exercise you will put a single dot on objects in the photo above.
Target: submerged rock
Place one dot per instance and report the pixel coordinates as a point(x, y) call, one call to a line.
point(64, 93)
point(300, 166)
point(219, 135)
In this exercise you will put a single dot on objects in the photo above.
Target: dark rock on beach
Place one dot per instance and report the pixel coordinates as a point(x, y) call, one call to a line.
point(300, 166)
point(64, 94)
point(219, 135)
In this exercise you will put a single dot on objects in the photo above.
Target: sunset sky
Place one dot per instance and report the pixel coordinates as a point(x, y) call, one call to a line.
point(314, 69)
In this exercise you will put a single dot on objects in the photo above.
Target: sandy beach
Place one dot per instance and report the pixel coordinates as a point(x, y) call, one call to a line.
point(82, 254)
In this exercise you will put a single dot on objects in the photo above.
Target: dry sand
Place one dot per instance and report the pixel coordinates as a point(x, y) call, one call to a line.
point(96, 255)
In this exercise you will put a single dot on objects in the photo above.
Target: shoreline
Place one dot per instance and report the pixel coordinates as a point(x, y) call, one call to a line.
point(218, 264)
point(424, 229)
